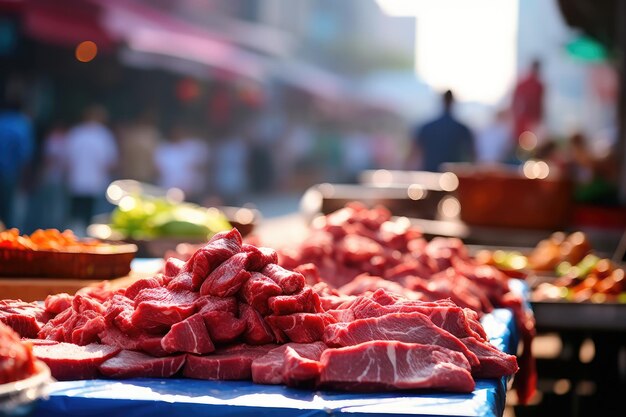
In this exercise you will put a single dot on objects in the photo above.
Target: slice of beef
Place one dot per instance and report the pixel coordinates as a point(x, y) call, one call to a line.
point(291, 282)
point(130, 364)
point(172, 267)
point(135, 288)
point(159, 308)
point(306, 301)
point(86, 328)
point(234, 364)
point(391, 365)
point(148, 343)
point(301, 327)
point(181, 282)
point(206, 303)
point(221, 247)
point(27, 319)
point(55, 329)
point(189, 335)
point(270, 368)
point(227, 279)
point(299, 371)
point(257, 290)
point(402, 327)
point(451, 319)
point(258, 257)
point(68, 361)
point(310, 272)
point(220, 318)
point(223, 326)
point(16, 362)
point(57, 303)
point(257, 330)
point(493, 362)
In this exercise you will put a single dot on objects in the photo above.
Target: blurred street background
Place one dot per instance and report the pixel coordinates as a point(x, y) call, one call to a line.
point(248, 101)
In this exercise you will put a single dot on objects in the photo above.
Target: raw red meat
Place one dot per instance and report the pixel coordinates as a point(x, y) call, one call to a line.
point(189, 335)
point(26, 319)
point(391, 365)
point(257, 331)
point(133, 289)
point(172, 267)
point(16, 358)
point(310, 272)
point(306, 301)
point(256, 291)
point(130, 364)
point(221, 247)
point(181, 282)
point(258, 257)
point(226, 279)
point(159, 308)
point(403, 327)
point(220, 318)
point(298, 371)
point(272, 368)
point(493, 362)
point(233, 364)
point(290, 281)
point(301, 327)
point(68, 361)
point(56, 303)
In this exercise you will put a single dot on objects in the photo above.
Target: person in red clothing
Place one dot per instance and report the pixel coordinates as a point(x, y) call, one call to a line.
point(527, 105)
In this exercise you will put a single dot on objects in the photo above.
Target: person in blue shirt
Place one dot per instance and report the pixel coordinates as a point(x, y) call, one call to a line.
point(444, 139)
point(16, 150)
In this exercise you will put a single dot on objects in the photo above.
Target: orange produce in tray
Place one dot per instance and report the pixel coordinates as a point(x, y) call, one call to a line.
point(51, 253)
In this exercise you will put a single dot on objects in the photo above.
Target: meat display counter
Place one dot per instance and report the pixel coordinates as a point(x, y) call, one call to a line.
point(184, 397)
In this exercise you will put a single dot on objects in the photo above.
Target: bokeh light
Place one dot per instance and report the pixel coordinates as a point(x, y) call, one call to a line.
point(86, 51)
point(528, 141)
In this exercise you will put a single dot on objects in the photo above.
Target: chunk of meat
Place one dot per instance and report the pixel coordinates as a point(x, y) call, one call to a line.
point(493, 362)
point(68, 361)
point(57, 303)
point(159, 308)
point(258, 257)
point(306, 301)
point(391, 365)
point(227, 279)
point(301, 327)
point(234, 364)
point(221, 247)
point(257, 331)
point(290, 281)
point(189, 335)
point(402, 327)
point(257, 290)
point(270, 368)
point(130, 364)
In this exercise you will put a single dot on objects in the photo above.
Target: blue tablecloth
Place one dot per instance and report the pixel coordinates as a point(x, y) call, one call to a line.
point(186, 397)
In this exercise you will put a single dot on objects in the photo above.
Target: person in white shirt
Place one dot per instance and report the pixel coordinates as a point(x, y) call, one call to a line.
point(91, 157)
point(182, 163)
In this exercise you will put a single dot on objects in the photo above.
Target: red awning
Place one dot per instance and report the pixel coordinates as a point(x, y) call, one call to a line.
point(66, 23)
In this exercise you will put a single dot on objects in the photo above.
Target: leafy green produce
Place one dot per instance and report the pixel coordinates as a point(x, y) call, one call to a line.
point(141, 217)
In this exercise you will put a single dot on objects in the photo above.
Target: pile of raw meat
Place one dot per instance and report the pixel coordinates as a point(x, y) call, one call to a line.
point(16, 358)
point(356, 250)
point(232, 313)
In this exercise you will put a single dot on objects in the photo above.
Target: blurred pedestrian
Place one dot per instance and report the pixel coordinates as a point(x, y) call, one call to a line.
point(230, 168)
point(138, 143)
point(182, 162)
point(92, 156)
point(16, 150)
point(527, 103)
point(493, 143)
point(51, 192)
point(444, 139)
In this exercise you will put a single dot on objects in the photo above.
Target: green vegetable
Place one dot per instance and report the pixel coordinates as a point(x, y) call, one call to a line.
point(141, 217)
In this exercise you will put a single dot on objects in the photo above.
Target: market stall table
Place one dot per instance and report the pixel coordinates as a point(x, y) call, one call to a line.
point(184, 397)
